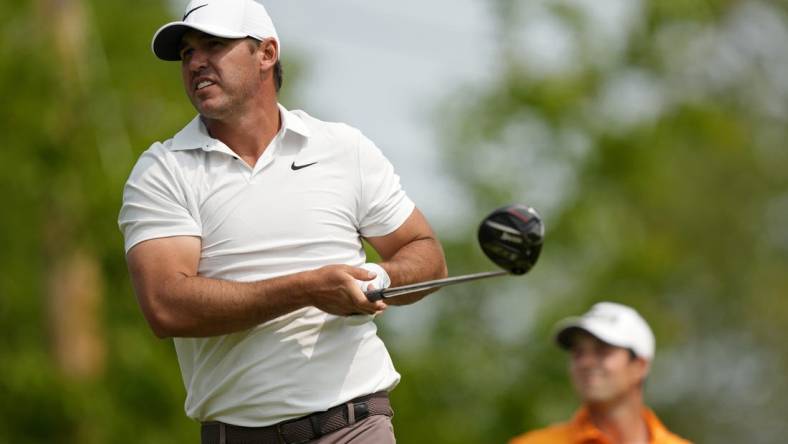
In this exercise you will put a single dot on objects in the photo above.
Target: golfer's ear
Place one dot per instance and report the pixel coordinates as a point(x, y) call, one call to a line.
point(268, 52)
point(644, 367)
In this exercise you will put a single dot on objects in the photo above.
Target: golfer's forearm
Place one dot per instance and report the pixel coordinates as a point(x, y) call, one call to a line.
point(197, 306)
point(418, 261)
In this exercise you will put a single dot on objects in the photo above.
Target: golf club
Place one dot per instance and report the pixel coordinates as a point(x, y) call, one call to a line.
point(510, 236)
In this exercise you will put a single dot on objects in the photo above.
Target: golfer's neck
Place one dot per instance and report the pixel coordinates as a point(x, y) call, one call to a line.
point(248, 134)
point(621, 420)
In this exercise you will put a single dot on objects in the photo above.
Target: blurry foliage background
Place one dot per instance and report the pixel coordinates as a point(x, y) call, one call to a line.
point(655, 148)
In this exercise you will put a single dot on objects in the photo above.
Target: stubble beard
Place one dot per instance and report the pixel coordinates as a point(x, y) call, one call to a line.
point(228, 105)
point(214, 108)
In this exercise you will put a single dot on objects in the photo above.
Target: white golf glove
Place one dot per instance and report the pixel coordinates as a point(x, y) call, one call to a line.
point(381, 279)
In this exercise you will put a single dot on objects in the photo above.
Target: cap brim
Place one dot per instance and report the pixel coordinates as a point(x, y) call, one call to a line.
point(167, 40)
point(567, 329)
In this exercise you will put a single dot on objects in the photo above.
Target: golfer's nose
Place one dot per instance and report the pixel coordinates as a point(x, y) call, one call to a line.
point(582, 358)
point(198, 59)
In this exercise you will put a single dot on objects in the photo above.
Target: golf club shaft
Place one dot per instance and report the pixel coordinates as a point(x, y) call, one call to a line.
point(374, 295)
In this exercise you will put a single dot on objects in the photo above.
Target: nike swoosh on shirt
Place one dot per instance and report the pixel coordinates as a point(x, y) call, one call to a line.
point(192, 10)
point(295, 167)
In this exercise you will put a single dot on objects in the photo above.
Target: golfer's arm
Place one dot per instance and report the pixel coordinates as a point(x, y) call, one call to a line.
point(177, 302)
point(411, 254)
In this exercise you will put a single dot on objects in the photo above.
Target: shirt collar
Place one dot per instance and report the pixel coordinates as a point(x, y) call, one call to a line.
point(584, 430)
point(293, 122)
point(195, 134)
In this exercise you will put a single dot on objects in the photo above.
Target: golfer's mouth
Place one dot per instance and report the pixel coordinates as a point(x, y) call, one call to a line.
point(203, 84)
point(591, 378)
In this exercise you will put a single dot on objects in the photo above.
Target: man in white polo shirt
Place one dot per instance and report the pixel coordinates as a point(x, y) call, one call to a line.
point(243, 239)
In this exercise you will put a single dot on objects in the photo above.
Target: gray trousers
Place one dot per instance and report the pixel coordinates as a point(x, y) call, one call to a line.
point(372, 430)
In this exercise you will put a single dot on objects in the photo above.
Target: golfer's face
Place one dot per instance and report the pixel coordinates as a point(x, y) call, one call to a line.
point(219, 74)
point(601, 372)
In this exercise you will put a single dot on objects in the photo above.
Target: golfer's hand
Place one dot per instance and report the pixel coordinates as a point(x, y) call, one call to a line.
point(335, 289)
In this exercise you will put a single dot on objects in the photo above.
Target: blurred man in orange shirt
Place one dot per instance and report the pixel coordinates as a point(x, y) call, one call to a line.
point(611, 348)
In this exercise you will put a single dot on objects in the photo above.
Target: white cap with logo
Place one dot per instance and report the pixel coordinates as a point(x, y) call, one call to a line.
point(612, 323)
point(232, 19)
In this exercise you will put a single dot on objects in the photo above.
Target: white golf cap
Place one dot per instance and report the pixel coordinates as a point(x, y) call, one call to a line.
point(612, 323)
point(232, 19)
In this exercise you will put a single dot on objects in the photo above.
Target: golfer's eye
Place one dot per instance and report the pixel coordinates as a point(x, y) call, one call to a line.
point(186, 52)
point(216, 44)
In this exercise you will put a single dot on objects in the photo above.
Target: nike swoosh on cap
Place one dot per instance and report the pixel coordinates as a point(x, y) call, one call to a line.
point(295, 167)
point(192, 10)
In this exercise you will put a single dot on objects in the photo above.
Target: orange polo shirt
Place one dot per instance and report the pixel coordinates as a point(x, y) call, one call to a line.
point(580, 430)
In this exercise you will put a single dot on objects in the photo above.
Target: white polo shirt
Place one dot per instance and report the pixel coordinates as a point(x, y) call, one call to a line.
point(314, 192)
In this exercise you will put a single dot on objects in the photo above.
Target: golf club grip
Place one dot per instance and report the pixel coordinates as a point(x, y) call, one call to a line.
point(376, 295)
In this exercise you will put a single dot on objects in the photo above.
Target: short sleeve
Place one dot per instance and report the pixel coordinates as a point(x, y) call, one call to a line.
point(155, 201)
point(384, 204)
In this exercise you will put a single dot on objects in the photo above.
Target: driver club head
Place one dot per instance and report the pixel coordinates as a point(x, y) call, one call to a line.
point(512, 237)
